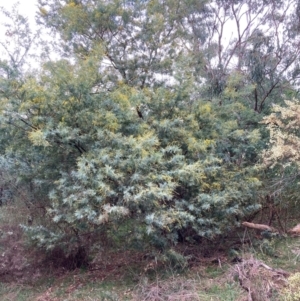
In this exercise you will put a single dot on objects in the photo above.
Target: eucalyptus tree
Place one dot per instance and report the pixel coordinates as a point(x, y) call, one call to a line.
point(142, 39)
point(257, 40)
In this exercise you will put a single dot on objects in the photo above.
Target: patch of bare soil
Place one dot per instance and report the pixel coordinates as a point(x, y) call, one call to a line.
point(260, 281)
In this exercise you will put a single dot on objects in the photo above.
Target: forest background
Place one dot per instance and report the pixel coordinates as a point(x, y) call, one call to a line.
point(174, 120)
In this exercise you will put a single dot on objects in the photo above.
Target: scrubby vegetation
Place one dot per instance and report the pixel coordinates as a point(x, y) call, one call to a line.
point(156, 134)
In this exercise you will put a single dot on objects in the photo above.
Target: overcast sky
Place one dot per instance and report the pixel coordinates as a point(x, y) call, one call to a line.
point(26, 7)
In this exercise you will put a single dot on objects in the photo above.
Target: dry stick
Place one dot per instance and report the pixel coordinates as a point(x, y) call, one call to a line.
point(259, 227)
point(295, 230)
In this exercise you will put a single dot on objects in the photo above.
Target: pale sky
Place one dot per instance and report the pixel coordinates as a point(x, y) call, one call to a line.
point(26, 7)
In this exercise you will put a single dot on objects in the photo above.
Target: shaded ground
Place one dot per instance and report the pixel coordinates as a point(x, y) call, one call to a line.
point(117, 274)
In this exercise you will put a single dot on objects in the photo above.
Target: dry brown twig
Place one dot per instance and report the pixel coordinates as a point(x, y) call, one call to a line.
point(261, 227)
point(295, 230)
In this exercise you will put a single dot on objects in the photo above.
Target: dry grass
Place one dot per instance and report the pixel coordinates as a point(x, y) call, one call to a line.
point(118, 274)
point(260, 281)
point(176, 289)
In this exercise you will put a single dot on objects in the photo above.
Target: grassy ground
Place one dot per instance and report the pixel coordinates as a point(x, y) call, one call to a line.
point(78, 286)
point(260, 266)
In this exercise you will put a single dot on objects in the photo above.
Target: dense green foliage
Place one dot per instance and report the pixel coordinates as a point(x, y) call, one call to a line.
point(135, 122)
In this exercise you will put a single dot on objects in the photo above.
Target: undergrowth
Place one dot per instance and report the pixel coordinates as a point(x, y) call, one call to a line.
point(187, 272)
